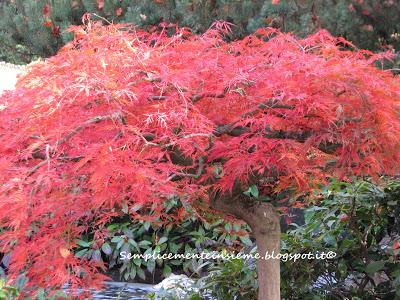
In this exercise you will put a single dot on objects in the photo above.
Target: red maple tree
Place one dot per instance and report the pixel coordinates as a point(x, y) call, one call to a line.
point(121, 116)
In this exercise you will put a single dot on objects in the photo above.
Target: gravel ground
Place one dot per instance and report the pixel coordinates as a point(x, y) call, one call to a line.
point(8, 75)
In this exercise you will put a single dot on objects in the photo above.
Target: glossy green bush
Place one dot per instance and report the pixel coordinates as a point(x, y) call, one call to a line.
point(12, 292)
point(231, 279)
point(360, 222)
point(193, 235)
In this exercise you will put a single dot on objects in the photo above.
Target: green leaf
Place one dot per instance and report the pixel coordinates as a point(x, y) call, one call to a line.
point(144, 244)
point(254, 191)
point(135, 208)
point(140, 273)
point(116, 239)
point(40, 295)
point(134, 244)
point(83, 243)
point(146, 225)
point(125, 208)
point(112, 227)
point(151, 264)
point(374, 267)
point(167, 270)
point(246, 240)
point(96, 256)
point(329, 239)
point(133, 272)
point(330, 223)
point(120, 243)
point(106, 249)
point(162, 240)
point(195, 297)
point(137, 261)
point(81, 253)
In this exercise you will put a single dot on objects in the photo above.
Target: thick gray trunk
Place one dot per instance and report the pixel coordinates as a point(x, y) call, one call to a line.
point(269, 276)
point(264, 223)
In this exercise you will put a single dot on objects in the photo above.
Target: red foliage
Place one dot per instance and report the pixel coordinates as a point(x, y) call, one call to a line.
point(121, 117)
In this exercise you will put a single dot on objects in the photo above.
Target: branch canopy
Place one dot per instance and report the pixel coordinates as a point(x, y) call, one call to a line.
point(125, 117)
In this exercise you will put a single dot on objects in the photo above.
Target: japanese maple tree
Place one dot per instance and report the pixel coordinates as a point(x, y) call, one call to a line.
point(121, 117)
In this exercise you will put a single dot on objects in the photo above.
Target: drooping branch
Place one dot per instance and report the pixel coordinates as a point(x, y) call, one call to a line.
point(289, 135)
point(94, 120)
point(200, 170)
point(198, 97)
point(269, 104)
point(188, 136)
point(156, 98)
point(233, 130)
point(39, 153)
point(61, 158)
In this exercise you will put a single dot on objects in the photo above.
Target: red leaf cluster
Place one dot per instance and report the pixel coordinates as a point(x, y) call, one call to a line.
point(124, 117)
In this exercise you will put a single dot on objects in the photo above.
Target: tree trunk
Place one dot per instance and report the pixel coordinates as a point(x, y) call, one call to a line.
point(268, 270)
point(263, 220)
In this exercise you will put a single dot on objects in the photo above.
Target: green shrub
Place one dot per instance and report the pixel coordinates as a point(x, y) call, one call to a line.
point(12, 292)
point(231, 279)
point(193, 235)
point(360, 222)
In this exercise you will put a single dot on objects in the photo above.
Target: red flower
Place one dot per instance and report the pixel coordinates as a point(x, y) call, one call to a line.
point(118, 11)
point(396, 245)
point(46, 10)
point(48, 23)
point(56, 31)
point(100, 4)
point(365, 12)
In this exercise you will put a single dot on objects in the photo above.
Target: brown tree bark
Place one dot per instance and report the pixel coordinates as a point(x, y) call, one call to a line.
point(263, 220)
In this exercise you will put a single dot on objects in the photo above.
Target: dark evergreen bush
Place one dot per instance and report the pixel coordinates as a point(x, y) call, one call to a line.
point(29, 28)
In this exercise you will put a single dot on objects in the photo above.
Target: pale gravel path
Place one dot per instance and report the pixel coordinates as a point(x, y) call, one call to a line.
point(8, 75)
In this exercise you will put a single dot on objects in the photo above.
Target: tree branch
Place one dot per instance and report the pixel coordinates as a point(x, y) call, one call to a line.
point(197, 175)
point(94, 120)
point(63, 158)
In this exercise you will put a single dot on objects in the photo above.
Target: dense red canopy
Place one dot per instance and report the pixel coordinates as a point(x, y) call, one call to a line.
point(120, 117)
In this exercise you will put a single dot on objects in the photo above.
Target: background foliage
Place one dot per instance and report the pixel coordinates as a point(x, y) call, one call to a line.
point(37, 28)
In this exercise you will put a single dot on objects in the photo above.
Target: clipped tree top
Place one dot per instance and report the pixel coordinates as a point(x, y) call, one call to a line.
point(125, 117)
